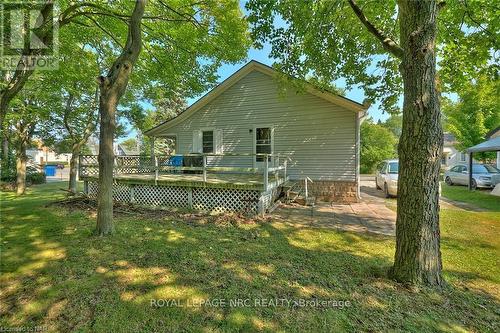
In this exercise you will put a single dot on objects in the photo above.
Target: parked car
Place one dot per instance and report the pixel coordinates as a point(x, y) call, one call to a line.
point(483, 175)
point(386, 177)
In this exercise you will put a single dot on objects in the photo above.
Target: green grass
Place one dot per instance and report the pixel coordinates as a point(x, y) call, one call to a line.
point(55, 274)
point(479, 198)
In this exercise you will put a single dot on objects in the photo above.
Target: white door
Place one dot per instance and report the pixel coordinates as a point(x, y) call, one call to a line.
point(263, 144)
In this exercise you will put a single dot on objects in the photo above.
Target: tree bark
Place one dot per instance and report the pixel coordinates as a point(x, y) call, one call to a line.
point(73, 168)
point(22, 158)
point(112, 87)
point(418, 256)
point(5, 149)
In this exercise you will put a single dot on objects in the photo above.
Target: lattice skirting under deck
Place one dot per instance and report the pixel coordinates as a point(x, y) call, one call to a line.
point(199, 198)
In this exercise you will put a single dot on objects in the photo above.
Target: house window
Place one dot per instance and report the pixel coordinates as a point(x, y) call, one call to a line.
point(462, 157)
point(208, 142)
point(444, 158)
point(263, 142)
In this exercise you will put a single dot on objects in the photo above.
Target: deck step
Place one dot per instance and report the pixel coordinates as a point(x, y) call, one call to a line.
point(273, 207)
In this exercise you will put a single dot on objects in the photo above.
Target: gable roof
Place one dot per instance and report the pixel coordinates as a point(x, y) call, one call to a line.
point(237, 76)
point(449, 139)
point(492, 133)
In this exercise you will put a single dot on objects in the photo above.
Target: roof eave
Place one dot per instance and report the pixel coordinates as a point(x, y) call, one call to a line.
point(231, 80)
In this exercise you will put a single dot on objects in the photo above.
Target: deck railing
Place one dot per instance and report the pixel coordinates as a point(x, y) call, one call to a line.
point(272, 165)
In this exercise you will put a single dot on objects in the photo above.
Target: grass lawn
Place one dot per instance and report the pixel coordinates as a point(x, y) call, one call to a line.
point(479, 198)
point(55, 274)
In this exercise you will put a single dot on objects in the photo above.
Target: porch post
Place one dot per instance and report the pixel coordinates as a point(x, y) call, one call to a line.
point(266, 172)
point(470, 171)
point(156, 170)
point(132, 193)
point(190, 197)
point(152, 148)
point(284, 176)
point(204, 167)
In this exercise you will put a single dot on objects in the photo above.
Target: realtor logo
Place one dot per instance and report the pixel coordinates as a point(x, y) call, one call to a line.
point(29, 35)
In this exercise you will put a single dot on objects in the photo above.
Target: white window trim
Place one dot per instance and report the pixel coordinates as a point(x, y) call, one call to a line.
point(214, 130)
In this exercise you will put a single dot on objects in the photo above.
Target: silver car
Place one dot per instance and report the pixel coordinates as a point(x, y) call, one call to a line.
point(386, 177)
point(483, 175)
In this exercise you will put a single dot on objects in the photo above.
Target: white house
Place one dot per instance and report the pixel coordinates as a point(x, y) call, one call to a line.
point(248, 113)
point(43, 155)
point(451, 156)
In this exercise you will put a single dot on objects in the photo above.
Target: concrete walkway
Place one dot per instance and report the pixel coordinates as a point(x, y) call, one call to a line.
point(370, 215)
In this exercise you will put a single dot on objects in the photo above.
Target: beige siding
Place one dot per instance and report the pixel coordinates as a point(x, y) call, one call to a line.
point(318, 135)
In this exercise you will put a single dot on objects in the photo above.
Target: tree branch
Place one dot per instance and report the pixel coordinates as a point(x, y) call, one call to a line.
point(387, 43)
point(67, 111)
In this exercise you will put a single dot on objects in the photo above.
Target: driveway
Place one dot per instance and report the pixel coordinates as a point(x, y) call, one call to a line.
point(369, 215)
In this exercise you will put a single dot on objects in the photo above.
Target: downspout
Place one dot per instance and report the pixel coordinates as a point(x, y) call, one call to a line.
point(360, 116)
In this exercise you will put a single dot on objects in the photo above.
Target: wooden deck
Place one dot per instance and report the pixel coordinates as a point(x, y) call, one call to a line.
point(219, 180)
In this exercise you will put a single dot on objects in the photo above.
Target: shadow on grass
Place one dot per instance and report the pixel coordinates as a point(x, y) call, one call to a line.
point(55, 273)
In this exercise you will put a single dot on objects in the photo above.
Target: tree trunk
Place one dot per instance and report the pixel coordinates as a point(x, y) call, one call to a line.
point(5, 149)
point(112, 87)
point(73, 168)
point(418, 256)
point(22, 158)
point(106, 156)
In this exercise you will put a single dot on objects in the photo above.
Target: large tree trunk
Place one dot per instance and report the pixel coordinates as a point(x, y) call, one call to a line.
point(418, 256)
point(22, 158)
point(73, 168)
point(112, 87)
point(5, 149)
point(107, 110)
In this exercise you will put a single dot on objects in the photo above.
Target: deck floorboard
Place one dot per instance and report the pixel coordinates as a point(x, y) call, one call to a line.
point(247, 181)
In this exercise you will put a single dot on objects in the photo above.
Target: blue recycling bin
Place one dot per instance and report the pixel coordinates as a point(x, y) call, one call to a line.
point(50, 170)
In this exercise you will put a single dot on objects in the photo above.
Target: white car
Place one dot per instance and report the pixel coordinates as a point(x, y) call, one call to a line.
point(386, 177)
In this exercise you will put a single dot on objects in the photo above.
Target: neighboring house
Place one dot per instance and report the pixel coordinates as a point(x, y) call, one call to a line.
point(123, 150)
point(43, 155)
point(249, 113)
point(495, 133)
point(451, 156)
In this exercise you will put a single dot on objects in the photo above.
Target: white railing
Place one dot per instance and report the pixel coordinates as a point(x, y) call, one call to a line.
point(273, 164)
point(306, 180)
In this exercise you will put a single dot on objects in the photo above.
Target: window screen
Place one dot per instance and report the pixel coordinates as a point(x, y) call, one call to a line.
point(208, 141)
point(262, 142)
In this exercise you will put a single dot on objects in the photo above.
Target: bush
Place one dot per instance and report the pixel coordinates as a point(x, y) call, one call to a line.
point(33, 175)
point(36, 178)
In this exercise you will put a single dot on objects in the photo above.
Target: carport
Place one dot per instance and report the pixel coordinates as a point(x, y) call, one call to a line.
point(490, 145)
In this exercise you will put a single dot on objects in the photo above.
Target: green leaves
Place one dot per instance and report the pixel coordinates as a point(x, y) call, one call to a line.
point(377, 144)
point(475, 114)
point(326, 39)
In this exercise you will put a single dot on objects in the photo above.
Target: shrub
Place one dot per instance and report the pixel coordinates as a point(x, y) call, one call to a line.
point(36, 178)
point(33, 175)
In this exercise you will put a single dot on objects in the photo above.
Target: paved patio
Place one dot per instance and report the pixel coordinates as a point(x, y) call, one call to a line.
point(370, 215)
